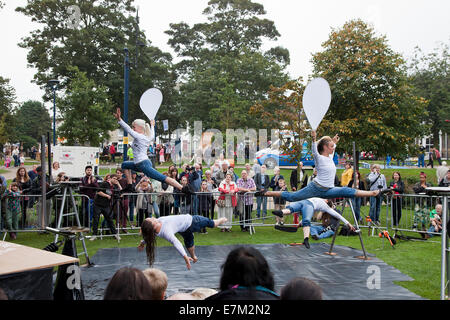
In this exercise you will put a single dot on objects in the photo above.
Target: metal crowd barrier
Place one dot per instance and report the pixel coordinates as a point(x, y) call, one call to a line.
point(30, 218)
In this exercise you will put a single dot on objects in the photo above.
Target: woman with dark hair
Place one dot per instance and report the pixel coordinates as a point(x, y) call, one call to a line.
point(167, 227)
point(359, 185)
point(246, 275)
point(24, 183)
point(398, 187)
point(128, 284)
point(323, 186)
point(301, 289)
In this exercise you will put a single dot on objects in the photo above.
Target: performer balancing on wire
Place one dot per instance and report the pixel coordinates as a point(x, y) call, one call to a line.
point(143, 135)
point(307, 209)
point(323, 185)
point(166, 227)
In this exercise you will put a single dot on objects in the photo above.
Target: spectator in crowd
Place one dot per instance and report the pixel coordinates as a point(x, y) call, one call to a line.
point(226, 202)
point(377, 181)
point(33, 152)
point(437, 155)
point(445, 182)
point(441, 171)
point(88, 188)
point(3, 187)
point(112, 152)
point(196, 184)
point(156, 190)
point(347, 175)
point(109, 189)
point(301, 289)
point(212, 187)
point(234, 176)
point(165, 199)
point(359, 184)
point(277, 176)
point(135, 178)
point(33, 173)
point(37, 190)
point(215, 168)
point(22, 159)
point(398, 187)
point(122, 203)
point(280, 203)
point(220, 175)
point(294, 180)
point(245, 186)
point(431, 158)
point(205, 199)
point(56, 169)
point(7, 161)
point(388, 160)
point(12, 209)
point(262, 182)
point(24, 183)
point(246, 275)
point(161, 154)
point(435, 221)
point(420, 186)
point(421, 157)
point(128, 284)
point(144, 205)
point(15, 154)
point(256, 167)
point(250, 171)
point(158, 282)
point(185, 199)
point(130, 155)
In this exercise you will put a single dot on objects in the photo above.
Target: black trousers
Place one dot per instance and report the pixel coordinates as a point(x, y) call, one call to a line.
point(396, 210)
point(107, 213)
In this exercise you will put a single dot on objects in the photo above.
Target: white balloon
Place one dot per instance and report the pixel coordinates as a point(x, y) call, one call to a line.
point(150, 102)
point(316, 101)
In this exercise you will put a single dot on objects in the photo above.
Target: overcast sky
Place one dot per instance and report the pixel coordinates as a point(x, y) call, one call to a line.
point(303, 25)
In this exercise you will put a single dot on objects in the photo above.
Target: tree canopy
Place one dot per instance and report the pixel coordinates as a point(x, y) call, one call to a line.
point(223, 70)
point(372, 101)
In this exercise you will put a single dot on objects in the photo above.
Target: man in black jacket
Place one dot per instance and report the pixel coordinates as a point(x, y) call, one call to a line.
point(262, 182)
point(294, 179)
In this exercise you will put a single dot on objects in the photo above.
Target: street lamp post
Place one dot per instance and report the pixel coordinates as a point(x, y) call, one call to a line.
point(54, 84)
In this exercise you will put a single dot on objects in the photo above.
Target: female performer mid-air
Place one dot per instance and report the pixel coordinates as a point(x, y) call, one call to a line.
point(323, 185)
point(166, 227)
point(143, 136)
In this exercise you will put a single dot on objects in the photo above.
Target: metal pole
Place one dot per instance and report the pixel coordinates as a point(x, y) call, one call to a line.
point(125, 101)
point(444, 251)
point(49, 160)
point(54, 115)
point(43, 185)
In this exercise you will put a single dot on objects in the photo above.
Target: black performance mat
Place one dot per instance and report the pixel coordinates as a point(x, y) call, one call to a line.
point(342, 277)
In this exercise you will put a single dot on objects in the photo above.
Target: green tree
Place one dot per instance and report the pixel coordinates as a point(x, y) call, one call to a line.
point(224, 68)
point(7, 101)
point(85, 112)
point(430, 75)
point(32, 121)
point(96, 46)
point(372, 100)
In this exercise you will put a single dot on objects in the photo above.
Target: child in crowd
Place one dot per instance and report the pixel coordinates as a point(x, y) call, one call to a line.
point(12, 209)
point(435, 221)
point(22, 160)
point(7, 161)
point(158, 282)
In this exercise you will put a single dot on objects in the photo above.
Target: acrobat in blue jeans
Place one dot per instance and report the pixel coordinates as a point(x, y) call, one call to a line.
point(321, 232)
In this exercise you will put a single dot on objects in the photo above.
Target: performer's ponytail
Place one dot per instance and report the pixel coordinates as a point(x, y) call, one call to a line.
point(149, 235)
point(147, 130)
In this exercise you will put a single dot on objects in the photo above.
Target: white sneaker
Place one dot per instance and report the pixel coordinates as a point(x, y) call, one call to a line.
point(92, 238)
point(117, 237)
